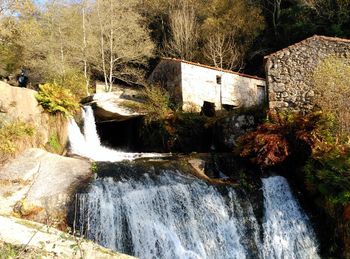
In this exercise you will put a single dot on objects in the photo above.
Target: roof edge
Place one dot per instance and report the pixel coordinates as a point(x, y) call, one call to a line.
point(336, 39)
point(214, 68)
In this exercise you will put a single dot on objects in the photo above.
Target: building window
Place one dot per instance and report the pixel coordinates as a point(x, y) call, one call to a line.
point(218, 80)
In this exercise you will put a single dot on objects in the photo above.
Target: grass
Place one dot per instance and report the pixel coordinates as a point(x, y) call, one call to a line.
point(13, 135)
point(9, 251)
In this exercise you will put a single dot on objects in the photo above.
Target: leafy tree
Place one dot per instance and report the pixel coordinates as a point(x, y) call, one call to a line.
point(332, 82)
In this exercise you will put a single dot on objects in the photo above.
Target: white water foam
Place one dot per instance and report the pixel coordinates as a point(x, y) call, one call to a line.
point(88, 144)
point(162, 219)
point(168, 218)
point(287, 231)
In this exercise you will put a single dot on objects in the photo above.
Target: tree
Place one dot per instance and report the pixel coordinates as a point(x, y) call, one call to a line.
point(183, 29)
point(122, 40)
point(229, 30)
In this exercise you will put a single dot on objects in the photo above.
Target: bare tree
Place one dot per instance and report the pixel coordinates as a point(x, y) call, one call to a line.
point(223, 51)
point(274, 8)
point(84, 47)
point(122, 40)
point(184, 30)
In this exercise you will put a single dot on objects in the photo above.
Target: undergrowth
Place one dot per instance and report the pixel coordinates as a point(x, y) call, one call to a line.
point(57, 99)
point(9, 251)
point(12, 136)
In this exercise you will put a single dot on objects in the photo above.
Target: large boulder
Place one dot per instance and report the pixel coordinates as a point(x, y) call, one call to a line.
point(114, 106)
point(41, 186)
point(19, 103)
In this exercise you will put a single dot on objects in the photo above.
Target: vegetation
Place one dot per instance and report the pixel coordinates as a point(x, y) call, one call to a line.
point(12, 136)
point(53, 144)
point(52, 38)
point(332, 82)
point(9, 251)
point(56, 99)
point(157, 104)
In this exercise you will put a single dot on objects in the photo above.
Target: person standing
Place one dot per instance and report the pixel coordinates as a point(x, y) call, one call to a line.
point(22, 78)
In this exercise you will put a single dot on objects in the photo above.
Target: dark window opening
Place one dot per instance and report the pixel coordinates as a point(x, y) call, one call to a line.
point(218, 80)
point(261, 94)
point(208, 109)
point(228, 107)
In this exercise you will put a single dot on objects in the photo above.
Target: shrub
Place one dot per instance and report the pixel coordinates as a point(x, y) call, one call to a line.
point(157, 103)
point(53, 144)
point(332, 82)
point(74, 81)
point(11, 134)
point(283, 134)
point(56, 99)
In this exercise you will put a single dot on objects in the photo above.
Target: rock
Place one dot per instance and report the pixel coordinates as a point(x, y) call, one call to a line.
point(227, 132)
point(38, 184)
point(57, 243)
point(198, 165)
point(113, 106)
point(20, 104)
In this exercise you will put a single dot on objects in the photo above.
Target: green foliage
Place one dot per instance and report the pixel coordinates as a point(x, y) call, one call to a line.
point(94, 168)
point(157, 103)
point(331, 80)
point(56, 99)
point(72, 80)
point(328, 176)
point(54, 144)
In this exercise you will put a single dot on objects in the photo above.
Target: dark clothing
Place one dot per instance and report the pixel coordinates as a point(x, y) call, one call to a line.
point(22, 80)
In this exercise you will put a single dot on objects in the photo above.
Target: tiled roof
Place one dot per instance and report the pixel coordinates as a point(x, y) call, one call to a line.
point(214, 68)
point(319, 37)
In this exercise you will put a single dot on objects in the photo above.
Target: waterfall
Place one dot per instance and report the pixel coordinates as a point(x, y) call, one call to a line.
point(88, 144)
point(287, 231)
point(169, 215)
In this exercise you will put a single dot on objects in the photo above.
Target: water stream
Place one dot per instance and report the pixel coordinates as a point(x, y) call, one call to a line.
point(87, 144)
point(165, 213)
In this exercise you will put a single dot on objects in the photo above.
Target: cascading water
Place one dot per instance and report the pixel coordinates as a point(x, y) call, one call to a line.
point(165, 217)
point(287, 232)
point(89, 145)
point(173, 216)
point(164, 213)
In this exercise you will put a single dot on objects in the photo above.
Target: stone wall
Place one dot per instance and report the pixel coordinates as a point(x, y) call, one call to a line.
point(290, 72)
point(168, 75)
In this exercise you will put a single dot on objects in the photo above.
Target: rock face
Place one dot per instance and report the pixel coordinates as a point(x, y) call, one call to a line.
point(113, 106)
point(289, 71)
point(39, 185)
point(20, 104)
point(228, 130)
point(58, 244)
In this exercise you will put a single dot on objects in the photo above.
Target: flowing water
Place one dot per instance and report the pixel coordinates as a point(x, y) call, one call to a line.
point(88, 144)
point(164, 213)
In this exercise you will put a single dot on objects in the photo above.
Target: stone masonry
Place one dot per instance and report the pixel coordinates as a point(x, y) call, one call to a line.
point(289, 71)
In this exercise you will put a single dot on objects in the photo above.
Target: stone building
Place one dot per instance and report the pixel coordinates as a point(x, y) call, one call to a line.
point(194, 85)
point(290, 71)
